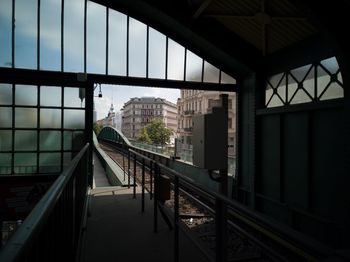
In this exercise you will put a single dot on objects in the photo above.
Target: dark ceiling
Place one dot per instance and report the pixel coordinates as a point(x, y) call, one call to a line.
point(253, 32)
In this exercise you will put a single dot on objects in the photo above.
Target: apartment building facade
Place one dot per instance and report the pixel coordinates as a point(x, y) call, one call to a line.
point(140, 111)
point(195, 102)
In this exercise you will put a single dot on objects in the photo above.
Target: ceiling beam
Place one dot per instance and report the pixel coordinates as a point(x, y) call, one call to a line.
point(201, 8)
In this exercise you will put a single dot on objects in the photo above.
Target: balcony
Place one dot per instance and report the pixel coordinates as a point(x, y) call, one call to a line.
point(188, 129)
point(189, 112)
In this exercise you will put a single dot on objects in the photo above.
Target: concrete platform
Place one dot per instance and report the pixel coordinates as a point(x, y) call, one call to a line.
point(118, 231)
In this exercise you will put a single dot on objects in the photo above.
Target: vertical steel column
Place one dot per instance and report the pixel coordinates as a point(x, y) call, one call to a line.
point(221, 231)
point(107, 41)
point(134, 191)
point(85, 36)
point(129, 171)
point(123, 164)
point(38, 37)
point(13, 33)
point(143, 186)
point(89, 99)
point(151, 179)
point(62, 36)
point(176, 219)
point(155, 199)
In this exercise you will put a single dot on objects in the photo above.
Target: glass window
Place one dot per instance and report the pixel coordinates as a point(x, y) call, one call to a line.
point(5, 140)
point(5, 163)
point(25, 140)
point(74, 97)
point(211, 73)
point(50, 118)
point(74, 119)
point(193, 67)
point(176, 60)
point(26, 117)
point(50, 140)
point(50, 96)
point(117, 43)
point(74, 36)
point(5, 117)
point(50, 35)
point(26, 95)
point(25, 163)
point(6, 33)
point(49, 162)
point(157, 53)
point(137, 48)
point(96, 38)
point(5, 94)
point(226, 79)
point(26, 34)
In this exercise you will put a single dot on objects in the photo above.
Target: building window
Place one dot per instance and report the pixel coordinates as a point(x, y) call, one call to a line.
point(229, 123)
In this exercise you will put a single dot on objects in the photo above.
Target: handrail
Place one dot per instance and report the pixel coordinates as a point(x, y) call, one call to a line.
point(257, 221)
point(20, 242)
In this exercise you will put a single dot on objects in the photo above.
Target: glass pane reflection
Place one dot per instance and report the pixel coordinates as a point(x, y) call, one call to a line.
point(74, 97)
point(50, 118)
point(5, 94)
point(26, 95)
point(26, 34)
point(211, 73)
point(117, 43)
point(5, 140)
point(26, 117)
point(6, 33)
point(96, 38)
point(50, 35)
point(25, 140)
point(50, 96)
point(74, 36)
point(157, 53)
point(74, 119)
point(193, 67)
point(25, 163)
point(49, 162)
point(137, 48)
point(50, 140)
point(176, 60)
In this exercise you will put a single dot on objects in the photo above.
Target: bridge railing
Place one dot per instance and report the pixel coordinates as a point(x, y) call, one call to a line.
point(52, 230)
point(291, 243)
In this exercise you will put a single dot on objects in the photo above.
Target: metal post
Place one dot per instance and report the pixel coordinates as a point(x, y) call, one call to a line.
point(123, 165)
point(151, 179)
point(221, 231)
point(155, 203)
point(134, 194)
point(176, 220)
point(143, 186)
point(129, 169)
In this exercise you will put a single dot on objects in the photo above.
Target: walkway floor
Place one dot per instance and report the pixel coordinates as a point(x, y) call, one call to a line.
point(118, 231)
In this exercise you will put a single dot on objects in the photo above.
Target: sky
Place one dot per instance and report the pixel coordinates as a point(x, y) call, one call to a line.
point(118, 95)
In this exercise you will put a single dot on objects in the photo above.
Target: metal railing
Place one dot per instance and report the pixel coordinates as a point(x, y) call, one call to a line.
point(52, 230)
point(226, 210)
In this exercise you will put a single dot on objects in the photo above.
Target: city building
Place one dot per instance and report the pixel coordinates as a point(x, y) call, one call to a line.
point(112, 119)
point(194, 102)
point(138, 112)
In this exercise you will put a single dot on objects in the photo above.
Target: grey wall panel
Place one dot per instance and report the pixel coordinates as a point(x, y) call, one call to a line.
point(295, 159)
point(268, 173)
point(330, 182)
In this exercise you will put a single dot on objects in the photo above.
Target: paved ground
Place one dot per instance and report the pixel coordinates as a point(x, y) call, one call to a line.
point(100, 179)
point(118, 231)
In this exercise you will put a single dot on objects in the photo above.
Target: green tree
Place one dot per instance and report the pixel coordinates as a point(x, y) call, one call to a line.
point(97, 128)
point(158, 132)
point(143, 136)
